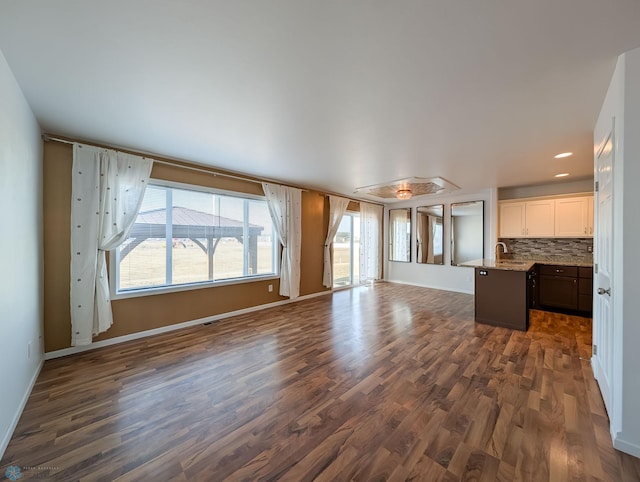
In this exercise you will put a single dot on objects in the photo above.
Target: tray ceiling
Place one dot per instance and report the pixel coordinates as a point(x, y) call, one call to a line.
point(418, 186)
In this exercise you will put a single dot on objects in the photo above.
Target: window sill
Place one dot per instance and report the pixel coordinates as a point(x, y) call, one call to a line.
point(137, 293)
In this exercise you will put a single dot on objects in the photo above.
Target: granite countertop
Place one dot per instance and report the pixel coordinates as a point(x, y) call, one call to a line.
point(581, 264)
point(520, 264)
point(506, 264)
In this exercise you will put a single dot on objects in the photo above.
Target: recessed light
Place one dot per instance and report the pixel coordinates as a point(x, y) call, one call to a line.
point(564, 174)
point(563, 154)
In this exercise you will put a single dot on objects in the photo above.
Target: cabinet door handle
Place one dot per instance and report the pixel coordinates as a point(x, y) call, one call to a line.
point(602, 291)
point(559, 271)
point(585, 230)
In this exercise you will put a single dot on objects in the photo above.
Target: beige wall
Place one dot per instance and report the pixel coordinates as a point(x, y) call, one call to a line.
point(133, 315)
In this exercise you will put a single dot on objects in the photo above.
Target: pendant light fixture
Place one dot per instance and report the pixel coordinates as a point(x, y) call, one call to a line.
point(403, 194)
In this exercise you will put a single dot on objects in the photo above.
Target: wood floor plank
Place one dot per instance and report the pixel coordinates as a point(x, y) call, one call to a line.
point(384, 382)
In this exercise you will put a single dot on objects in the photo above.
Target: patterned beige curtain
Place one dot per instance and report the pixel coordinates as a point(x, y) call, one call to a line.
point(107, 191)
point(285, 208)
point(337, 208)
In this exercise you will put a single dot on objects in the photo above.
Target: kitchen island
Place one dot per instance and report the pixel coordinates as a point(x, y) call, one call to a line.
point(502, 292)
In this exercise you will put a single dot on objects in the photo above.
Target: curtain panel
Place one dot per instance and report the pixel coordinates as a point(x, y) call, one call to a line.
point(422, 238)
point(398, 228)
point(425, 234)
point(107, 191)
point(285, 208)
point(432, 236)
point(370, 242)
point(337, 207)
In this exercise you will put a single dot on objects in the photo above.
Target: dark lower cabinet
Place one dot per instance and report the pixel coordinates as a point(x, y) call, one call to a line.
point(502, 298)
point(585, 289)
point(566, 287)
point(534, 282)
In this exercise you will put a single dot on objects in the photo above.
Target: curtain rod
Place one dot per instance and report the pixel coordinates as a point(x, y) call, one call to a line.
point(49, 137)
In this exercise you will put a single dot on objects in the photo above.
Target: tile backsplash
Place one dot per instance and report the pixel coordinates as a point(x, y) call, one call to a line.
point(550, 249)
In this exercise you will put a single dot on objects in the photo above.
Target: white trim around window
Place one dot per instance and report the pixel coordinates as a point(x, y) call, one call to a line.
point(122, 295)
point(247, 260)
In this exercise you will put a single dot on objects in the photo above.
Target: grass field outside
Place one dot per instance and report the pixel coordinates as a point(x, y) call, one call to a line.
point(145, 265)
point(342, 264)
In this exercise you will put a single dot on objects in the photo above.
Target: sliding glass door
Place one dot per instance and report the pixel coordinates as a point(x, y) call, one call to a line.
point(346, 251)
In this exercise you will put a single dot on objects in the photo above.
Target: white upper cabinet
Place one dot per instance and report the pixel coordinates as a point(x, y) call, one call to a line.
point(560, 216)
point(572, 217)
point(539, 218)
point(526, 219)
point(512, 220)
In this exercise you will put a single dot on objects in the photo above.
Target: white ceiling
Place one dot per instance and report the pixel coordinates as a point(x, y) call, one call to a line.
point(331, 94)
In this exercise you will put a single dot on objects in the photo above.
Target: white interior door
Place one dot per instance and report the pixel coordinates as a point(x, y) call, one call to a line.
point(603, 319)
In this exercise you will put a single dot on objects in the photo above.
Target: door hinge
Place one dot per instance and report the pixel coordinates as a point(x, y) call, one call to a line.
point(595, 268)
point(597, 186)
point(595, 349)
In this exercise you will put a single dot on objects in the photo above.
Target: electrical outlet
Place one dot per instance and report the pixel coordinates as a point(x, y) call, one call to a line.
point(589, 249)
point(270, 288)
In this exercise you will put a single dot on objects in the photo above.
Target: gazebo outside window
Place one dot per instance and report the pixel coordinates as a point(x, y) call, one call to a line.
point(202, 229)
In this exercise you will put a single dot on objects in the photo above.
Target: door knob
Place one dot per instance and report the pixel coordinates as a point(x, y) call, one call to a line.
point(602, 291)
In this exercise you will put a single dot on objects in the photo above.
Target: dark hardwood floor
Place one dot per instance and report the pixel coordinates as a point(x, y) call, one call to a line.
point(389, 382)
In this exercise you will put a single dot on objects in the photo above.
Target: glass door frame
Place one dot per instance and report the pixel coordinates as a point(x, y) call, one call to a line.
point(351, 215)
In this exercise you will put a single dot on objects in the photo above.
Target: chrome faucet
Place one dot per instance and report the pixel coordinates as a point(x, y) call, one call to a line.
point(504, 249)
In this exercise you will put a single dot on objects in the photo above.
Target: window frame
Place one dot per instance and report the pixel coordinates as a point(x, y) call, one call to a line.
point(114, 281)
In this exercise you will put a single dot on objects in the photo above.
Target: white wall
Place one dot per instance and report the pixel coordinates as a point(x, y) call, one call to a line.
point(21, 294)
point(623, 103)
point(467, 246)
point(571, 187)
point(629, 228)
point(445, 277)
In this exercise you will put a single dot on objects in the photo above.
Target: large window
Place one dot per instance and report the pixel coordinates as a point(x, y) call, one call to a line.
point(182, 236)
point(346, 251)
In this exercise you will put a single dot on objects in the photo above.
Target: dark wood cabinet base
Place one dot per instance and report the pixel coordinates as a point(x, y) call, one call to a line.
point(566, 289)
point(502, 298)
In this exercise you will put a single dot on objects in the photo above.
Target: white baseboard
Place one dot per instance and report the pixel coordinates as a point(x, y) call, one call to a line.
point(164, 329)
point(6, 438)
point(422, 285)
point(624, 446)
point(595, 367)
point(618, 438)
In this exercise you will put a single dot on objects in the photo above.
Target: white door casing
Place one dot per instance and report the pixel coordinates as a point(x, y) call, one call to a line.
point(603, 316)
